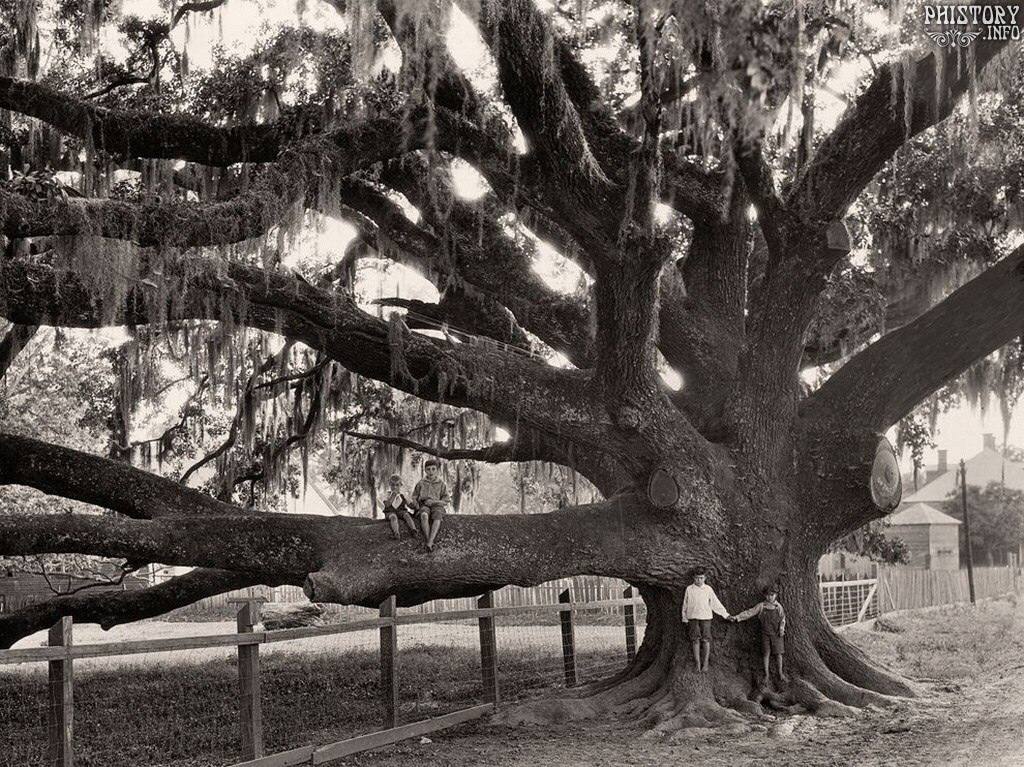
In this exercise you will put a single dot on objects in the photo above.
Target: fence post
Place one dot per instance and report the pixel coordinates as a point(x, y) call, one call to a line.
point(250, 709)
point(488, 650)
point(568, 640)
point(629, 617)
point(61, 711)
point(388, 655)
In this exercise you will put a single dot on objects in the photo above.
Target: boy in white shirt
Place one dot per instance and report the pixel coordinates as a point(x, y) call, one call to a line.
point(699, 605)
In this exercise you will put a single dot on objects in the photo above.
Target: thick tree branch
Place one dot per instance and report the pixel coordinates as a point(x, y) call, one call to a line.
point(691, 190)
point(508, 386)
point(501, 452)
point(271, 543)
point(475, 314)
point(884, 382)
point(101, 482)
point(478, 553)
point(200, 6)
point(880, 121)
point(472, 249)
point(142, 134)
point(516, 32)
point(113, 609)
point(305, 175)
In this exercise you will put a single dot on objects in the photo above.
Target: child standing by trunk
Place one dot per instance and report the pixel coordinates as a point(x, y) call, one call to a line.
point(700, 603)
point(773, 629)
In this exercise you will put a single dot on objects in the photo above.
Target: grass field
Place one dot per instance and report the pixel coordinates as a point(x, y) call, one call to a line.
point(182, 713)
point(179, 709)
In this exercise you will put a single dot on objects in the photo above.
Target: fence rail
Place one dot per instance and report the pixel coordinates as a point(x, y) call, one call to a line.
point(844, 602)
point(62, 654)
point(584, 588)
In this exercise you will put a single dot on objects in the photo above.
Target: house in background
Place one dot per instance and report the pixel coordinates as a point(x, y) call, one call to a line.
point(932, 536)
point(929, 532)
point(982, 469)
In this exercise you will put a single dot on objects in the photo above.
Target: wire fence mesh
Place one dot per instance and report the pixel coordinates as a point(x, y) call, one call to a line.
point(324, 684)
point(438, 668)
point(157, 710)
point(320, 689)
point(24, 703)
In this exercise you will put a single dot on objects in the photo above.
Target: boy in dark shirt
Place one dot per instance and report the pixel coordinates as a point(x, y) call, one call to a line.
point(395, 506)
point(773, 629)
point(430, 498)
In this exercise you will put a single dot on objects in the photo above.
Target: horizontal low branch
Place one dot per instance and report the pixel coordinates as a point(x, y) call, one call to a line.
point(620, 537)
point(264, 543)
point(114, 608)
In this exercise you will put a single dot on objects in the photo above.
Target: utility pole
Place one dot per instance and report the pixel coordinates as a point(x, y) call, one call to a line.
point(967, 529)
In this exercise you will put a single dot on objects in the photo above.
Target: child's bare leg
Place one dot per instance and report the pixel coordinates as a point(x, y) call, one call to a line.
point(706, 645)
point(409, 522)
point(425, 524)
point(393, 523)
point(696, 652)
point(765, 658)
point(778, 662)
point(434, 527)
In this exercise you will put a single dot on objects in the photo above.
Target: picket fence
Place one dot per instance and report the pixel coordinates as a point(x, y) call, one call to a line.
point(584, 589)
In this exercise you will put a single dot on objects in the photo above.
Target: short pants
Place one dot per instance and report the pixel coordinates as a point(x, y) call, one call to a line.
point(772, 643)
point(436, 512)
point(699, 629)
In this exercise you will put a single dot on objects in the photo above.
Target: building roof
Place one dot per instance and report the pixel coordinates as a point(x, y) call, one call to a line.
point(922, 514)
point(987, 466)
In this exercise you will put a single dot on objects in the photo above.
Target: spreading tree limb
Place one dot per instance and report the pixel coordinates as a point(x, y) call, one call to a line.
point(881, 120)
point(889, 378)
point(501, 452)
point(143, 134)
point(90, 479)
point(113, 609)
point(481, 377)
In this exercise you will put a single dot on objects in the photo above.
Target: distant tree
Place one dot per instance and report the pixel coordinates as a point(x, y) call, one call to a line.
point(997, 522)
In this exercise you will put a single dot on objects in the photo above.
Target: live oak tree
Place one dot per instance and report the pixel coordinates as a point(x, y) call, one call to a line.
point(729, 281)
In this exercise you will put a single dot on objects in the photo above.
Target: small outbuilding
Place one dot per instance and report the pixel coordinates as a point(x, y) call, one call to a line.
point(932, 536)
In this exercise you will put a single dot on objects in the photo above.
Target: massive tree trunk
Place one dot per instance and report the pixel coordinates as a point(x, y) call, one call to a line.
point(766, 480)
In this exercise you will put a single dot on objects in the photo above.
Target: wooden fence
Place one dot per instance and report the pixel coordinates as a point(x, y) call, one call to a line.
point(845, 601)
point(61, 653)
point(584, 588)
point(849, 598)
point(910, 588)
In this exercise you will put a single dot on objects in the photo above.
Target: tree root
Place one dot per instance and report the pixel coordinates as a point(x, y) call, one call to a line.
point(668, 699)
point(852, 666)
point(662, 693)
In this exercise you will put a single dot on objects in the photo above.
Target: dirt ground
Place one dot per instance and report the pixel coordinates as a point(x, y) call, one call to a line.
point(969, 668)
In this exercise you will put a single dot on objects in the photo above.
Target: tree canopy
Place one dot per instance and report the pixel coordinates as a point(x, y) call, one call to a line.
point(806, 213)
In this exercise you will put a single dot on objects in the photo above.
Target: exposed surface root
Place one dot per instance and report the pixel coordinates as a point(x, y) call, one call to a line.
point(853, 666)
point(663, 693)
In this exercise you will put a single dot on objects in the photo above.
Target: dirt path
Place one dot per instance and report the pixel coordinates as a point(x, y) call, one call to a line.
point(974, 717)
point(984, 728)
